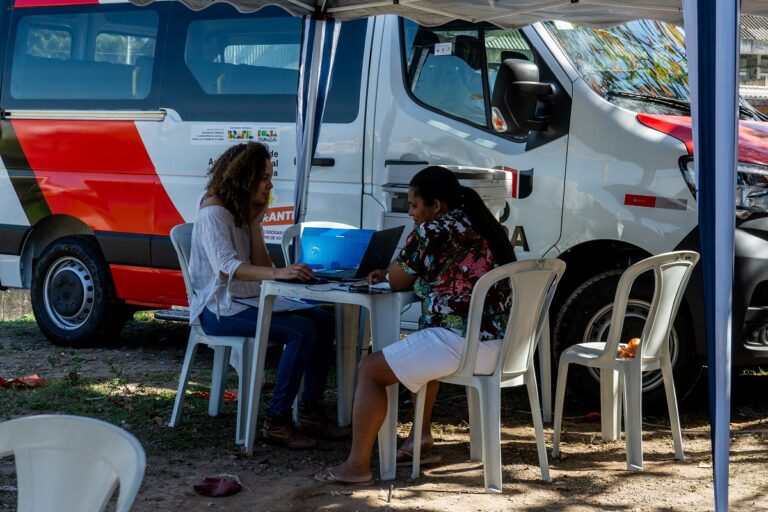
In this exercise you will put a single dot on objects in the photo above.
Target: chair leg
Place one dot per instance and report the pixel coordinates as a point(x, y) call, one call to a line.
point(418, 421)
point(490, 398)
point(562, 377)
point(189, 356)
point(538, 424)
point(610, 418)
point(243, 370)
point(674, 416)
point(475, 424)
point(218, 379)
point(633, 419)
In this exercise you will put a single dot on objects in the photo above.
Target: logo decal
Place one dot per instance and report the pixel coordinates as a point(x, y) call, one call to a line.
point(522, 182)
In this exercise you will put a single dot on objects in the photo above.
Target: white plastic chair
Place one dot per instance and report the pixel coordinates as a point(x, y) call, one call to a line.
point(72, 463)
point(533, 285)
point(223, 346)
point(344, 316)
point(671, 272)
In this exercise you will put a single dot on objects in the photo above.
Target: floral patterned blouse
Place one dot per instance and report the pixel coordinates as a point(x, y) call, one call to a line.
point(448, 257)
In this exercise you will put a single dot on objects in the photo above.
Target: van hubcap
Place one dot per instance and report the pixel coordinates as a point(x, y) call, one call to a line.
point(68, 293)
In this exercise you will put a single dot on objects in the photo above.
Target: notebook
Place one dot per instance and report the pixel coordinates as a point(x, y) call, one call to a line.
point(347, 254)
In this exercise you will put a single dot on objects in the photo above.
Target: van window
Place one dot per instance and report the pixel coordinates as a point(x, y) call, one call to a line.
point(245, 56)
point(257, 55)
point(343, 101)
point(99, 56)
point(445, 66)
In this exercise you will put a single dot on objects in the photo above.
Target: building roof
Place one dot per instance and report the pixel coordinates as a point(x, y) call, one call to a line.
point(754, 27)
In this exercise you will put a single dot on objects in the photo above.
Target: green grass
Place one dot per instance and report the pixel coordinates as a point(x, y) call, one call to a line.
point(140, 408)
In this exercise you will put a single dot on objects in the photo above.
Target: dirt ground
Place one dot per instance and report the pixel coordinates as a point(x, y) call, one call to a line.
point(592, 475)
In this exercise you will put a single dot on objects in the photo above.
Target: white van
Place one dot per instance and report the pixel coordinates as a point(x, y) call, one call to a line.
point(112, 114)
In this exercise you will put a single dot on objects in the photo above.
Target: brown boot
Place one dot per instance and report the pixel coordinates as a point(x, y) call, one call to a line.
point(282, 432)
point(315, 423)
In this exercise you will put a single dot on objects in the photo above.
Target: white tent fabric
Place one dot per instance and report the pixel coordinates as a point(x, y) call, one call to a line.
point(506, 13)
point(712, 32)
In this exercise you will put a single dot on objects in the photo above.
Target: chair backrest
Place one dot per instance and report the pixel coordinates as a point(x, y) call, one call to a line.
point(671, 272)
point(72, 463)
point(533, 285)
point(181, 238)
point(294, 232)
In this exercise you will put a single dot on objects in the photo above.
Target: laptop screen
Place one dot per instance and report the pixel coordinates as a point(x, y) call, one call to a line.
point(328, 248)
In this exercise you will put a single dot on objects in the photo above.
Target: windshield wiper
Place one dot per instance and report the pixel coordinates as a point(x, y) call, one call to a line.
point(659, 100)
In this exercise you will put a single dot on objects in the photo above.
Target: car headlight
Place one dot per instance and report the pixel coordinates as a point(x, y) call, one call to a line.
point(751, 185)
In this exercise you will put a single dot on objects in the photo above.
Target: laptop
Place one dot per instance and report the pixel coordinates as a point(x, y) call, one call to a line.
point(347, 254)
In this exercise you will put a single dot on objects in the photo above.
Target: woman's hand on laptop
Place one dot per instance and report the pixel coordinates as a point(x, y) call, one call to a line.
point(377, 276)
point(298, 271)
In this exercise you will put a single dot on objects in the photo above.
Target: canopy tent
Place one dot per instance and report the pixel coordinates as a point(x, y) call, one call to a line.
point(712, 48)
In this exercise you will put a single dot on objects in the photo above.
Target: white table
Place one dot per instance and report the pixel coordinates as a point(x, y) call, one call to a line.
point(384, 310)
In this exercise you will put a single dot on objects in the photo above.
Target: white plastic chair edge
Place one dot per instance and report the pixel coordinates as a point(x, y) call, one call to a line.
point(129, 481)
point(624, 288)
point(477, 301)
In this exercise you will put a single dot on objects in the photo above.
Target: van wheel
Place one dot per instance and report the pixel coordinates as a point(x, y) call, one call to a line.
point(73, 297)
point(586, 316)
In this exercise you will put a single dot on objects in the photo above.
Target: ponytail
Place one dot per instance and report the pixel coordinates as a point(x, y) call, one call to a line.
point(436, 182)
point(487, 226)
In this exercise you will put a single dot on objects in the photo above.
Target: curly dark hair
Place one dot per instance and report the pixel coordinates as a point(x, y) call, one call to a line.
point(235, 175)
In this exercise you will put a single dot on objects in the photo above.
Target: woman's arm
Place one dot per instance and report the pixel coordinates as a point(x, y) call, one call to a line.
point(259, 253)
point(398, 279)
point(247, 272)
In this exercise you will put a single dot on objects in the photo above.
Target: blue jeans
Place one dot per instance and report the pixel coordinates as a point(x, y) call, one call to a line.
point(308, 339)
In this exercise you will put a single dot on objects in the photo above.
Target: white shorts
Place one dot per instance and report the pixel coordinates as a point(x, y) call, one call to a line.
point(433, 353)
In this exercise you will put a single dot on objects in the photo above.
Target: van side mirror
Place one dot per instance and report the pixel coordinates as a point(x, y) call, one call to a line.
point(516, 95)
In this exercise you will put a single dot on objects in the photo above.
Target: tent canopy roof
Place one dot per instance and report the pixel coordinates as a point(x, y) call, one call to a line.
point(505, 13)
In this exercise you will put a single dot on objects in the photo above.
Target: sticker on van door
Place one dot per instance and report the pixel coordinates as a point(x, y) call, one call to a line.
point(276, 220)
point(218, 134)
point(522, 181)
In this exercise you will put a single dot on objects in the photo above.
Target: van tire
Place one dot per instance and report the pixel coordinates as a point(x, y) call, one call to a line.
point(73, 296)
point(585, 315)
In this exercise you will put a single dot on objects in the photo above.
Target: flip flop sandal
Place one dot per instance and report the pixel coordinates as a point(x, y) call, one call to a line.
point(326, 476)
point(407, 459)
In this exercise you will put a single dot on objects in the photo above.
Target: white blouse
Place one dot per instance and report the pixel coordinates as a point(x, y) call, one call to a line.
point(218, 248)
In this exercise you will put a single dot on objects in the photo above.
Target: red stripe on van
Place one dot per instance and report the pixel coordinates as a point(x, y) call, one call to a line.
point(637, 200)
point(52, 3)
point(149, 287)
point(99, 172)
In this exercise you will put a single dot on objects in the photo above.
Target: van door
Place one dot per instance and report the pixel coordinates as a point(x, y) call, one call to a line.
point(432, 106)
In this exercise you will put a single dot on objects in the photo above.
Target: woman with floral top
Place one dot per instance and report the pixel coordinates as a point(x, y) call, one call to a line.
point(455, 241)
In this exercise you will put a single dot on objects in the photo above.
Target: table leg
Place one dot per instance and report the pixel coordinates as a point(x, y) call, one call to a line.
point(257, 369)
point(385, 329)
point(348, 316)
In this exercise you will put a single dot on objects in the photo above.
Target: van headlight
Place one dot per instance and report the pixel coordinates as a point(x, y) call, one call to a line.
point(751, 186)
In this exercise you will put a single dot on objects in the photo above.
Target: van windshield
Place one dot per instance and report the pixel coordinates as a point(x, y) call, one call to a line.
point(640, 65)
point(630, 64)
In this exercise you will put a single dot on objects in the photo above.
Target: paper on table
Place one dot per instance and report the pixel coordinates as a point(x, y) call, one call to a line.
point(281, 303)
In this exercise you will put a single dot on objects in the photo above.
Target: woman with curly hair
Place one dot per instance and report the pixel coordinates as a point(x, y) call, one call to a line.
point(229, 259)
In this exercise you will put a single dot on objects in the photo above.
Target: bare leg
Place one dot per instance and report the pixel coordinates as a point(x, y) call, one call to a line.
point(426, 431)
point(368, 413)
